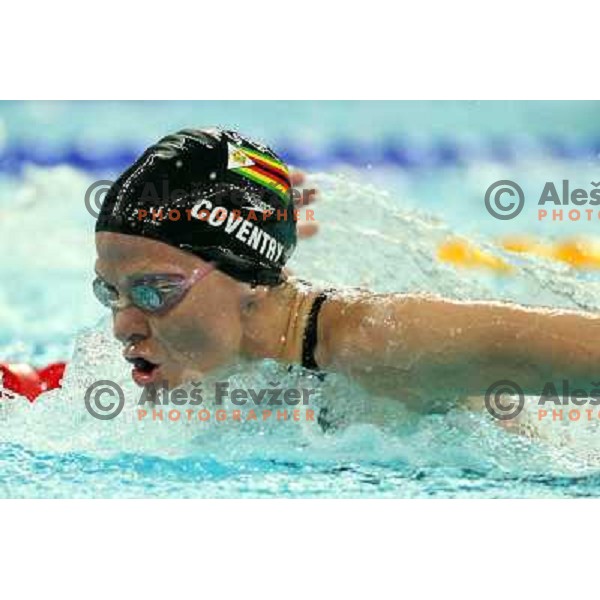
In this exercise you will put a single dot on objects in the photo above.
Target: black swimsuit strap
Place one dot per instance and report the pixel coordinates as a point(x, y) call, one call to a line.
point(310, 333)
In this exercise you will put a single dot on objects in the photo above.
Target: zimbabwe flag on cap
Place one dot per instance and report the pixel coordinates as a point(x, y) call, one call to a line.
point(260, 168)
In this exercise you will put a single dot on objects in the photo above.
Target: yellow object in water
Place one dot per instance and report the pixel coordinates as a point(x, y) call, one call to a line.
point(577, 252)
point(462, 253)
point(580, 254)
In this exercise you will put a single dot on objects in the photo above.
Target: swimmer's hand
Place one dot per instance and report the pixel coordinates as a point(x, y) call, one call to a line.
point(307, 227)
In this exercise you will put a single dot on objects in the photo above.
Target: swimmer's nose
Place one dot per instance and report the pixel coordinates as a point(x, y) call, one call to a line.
point(130, 325)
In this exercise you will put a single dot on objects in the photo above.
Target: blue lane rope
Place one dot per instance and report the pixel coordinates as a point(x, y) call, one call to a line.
point(391, 152)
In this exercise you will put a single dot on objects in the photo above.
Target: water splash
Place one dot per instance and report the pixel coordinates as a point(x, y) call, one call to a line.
point(381, 449)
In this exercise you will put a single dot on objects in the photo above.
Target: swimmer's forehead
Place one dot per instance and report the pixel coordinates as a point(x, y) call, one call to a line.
point(122, 256)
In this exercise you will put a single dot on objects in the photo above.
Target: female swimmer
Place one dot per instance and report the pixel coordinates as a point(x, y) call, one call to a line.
point(196, 282)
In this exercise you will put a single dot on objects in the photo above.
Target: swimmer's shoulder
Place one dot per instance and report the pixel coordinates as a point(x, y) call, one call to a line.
point(327, 309)
point(354, 320)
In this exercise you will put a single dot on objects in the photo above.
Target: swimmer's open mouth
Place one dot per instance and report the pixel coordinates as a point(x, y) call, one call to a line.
point(143, 365)
point(144, 371)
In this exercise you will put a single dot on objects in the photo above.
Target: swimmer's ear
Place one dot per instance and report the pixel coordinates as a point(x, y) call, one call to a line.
point(251, 295)
point(248, 299)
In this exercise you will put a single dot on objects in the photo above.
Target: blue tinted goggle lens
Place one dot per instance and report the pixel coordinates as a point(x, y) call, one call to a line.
point(106, 295)
point(156, 295)
point(146, 297)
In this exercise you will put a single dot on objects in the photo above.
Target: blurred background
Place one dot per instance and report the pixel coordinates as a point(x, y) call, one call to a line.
point(419, 149)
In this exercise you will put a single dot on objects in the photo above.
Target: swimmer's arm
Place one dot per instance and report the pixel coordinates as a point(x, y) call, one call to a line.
point(397, 343)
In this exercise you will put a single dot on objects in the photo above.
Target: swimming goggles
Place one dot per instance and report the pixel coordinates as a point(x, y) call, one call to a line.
point(154, 293)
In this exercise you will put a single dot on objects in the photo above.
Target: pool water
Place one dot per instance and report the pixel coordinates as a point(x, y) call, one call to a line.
point(381, 226)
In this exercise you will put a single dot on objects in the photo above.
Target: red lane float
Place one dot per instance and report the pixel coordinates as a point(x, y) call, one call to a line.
point(27, 381)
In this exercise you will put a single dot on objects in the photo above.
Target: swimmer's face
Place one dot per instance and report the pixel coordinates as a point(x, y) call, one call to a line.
point(198, 334)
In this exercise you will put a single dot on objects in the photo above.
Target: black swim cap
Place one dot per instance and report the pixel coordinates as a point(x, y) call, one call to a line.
point(201, 177)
